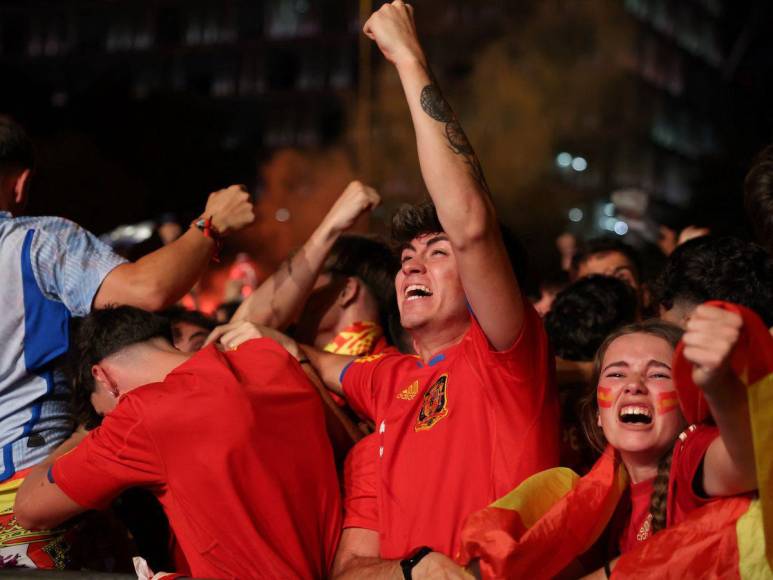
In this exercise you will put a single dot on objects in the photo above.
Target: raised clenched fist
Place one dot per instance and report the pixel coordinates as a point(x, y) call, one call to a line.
point(355, 200)
point(709, 339)
point(394, 31)
point(230, 209)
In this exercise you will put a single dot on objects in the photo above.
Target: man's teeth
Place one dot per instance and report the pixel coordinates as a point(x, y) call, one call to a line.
point(416, 291)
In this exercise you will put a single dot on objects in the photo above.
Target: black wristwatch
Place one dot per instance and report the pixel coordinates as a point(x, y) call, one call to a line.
point(410, 563)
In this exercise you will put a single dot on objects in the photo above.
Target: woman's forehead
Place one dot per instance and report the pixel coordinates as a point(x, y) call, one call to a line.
point(639, 345)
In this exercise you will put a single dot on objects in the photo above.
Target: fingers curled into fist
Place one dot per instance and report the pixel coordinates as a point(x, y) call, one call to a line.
point(710, 337)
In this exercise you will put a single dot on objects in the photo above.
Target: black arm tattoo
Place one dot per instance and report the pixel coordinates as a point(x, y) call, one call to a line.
point(433, 103)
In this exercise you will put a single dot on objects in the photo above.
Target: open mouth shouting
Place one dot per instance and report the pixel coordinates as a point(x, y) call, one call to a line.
point(416, 292)
point(635, 415)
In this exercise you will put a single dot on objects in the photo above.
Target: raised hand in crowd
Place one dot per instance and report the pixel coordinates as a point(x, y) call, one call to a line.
point(230, 209)
point(455, 181)
point(356, 200)
point(711, 335)
point(278, 300)
point(162, 277)
point(393, 29)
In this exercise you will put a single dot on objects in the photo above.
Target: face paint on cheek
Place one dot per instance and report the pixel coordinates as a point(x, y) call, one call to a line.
point(667, 402)
point(604, 396)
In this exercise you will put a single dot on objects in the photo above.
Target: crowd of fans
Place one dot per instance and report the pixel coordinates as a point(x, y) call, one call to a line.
point(386, 409)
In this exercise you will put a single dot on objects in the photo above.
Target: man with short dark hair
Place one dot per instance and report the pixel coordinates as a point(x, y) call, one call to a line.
point(190, 328)
point(758, 197)
point(608, 257)
point(586, 312)
point(53, 270)
point(583, 315)
point(474, 412)
point(232, 443)
point(716, 268)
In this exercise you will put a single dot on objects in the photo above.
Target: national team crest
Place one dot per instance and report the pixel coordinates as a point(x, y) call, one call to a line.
point(435, 405)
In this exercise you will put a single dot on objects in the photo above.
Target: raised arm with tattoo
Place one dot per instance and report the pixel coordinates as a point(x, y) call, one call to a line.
point(279, 299)
point(454, 179)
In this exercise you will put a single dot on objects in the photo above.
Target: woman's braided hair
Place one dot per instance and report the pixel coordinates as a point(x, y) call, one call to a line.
point(659, 498)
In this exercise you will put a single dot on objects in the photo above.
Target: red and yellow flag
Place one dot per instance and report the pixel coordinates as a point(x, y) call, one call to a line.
point(538, 529)
point(720, 540)
point(752, 362)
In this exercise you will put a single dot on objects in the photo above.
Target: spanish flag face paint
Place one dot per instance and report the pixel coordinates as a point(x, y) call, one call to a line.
point(667, 402)
point(604, 396)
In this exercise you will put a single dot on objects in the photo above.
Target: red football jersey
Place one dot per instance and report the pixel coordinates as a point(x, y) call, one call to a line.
point(360, 482)
point(689, 452)
point(454, 434)
point(234, 446)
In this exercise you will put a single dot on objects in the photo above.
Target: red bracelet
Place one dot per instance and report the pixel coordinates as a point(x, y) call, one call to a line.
point(205, 226)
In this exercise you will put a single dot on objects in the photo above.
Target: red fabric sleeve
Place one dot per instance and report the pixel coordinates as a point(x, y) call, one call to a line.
point(688, 458)
point(115, 456)
point(357, 380)
point(360, 481)
point(530, 346)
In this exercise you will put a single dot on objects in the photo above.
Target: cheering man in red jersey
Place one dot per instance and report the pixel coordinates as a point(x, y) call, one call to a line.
point(475, 412)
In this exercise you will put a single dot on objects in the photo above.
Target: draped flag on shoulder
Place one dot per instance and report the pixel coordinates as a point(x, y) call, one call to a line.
point(752, 362)
point(540, 529)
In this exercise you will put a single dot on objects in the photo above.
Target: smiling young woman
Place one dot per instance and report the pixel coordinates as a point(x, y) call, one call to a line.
point(631, 411)
point(673, 467)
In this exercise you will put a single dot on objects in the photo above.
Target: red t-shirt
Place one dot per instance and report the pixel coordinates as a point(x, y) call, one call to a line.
point(360, 481)
point(688, 457)
point(454, 434)
point(234, 446)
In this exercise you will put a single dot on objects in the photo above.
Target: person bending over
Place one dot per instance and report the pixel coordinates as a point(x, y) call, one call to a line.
point(53, 270)
point(232, 443)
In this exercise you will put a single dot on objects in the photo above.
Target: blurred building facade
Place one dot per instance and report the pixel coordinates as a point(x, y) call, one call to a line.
point(290, 65)
point(651, 168)
point(254, 77)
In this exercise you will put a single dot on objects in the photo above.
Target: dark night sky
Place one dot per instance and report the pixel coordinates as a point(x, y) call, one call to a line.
point(105, 158)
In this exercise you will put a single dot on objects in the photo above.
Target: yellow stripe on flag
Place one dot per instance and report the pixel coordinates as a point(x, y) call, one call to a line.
point(752, 564)
point(537, 494)
point(761, 413)
point(8, 491)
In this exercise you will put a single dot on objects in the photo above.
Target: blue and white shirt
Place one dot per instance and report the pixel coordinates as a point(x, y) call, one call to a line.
point(50, 270)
